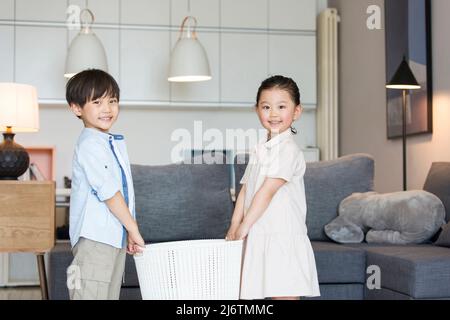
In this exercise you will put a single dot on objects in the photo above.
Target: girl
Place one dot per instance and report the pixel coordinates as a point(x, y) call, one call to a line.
point(270, 210)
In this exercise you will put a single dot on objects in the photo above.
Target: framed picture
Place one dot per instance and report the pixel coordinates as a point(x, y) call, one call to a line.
point(408, 34)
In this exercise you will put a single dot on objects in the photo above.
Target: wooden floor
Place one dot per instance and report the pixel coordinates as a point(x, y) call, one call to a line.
point(20, 293)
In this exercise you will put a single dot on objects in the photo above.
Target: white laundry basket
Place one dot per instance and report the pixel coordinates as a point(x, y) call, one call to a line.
point(190, 270)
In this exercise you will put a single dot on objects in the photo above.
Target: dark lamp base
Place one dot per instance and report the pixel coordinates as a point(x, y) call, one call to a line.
point(14, 159)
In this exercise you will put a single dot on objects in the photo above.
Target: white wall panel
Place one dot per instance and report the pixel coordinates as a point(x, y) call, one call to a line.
point(40, 59)
point(6, 54)
point(243, 66)
point(144, 65)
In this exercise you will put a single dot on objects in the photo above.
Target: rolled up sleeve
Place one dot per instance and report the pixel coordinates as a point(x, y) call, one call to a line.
point(97, 162)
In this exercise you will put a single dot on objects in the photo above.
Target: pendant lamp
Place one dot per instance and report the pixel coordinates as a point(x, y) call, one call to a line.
point(188, 62)
point(85, 51)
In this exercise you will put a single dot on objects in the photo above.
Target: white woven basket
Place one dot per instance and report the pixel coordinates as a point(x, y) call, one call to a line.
point(190, 270)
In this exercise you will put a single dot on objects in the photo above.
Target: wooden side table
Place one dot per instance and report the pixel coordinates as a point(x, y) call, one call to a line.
point(27, 220)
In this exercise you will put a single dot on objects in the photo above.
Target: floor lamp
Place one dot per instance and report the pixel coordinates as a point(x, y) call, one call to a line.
point(404, 80)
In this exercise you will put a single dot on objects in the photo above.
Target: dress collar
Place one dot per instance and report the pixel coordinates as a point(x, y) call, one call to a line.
point(103, 135)
point(287, 134)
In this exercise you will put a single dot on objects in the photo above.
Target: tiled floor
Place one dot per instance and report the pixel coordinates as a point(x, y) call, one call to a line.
point(20, 293)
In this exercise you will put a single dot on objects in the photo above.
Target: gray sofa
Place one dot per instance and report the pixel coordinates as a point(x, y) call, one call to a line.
point(183, 201)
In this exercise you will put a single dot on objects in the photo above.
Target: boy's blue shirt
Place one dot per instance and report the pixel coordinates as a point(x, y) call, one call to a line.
point(100, 168)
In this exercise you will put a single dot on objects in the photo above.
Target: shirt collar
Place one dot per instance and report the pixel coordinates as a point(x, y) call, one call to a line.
point(103, 135)
point(278, 139)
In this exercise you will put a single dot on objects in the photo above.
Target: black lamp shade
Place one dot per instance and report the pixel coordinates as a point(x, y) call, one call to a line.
point(403, 78)
point(14, 159)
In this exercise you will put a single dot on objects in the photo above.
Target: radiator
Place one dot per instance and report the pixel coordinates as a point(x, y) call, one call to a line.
point(327, 116)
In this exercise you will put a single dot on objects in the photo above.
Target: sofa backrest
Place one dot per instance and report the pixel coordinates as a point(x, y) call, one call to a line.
point(182, 201)
point(327, 183)
point(438, 183)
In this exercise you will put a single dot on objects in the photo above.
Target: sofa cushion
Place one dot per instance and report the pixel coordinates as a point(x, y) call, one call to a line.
point(60, 257)
point(438, 183)
point(403, 217)
point(444, 237)
point(387, 294)
point(339, 264)
point(419, 271)
point(340, 291)
point(327, 183)
point(182, 201)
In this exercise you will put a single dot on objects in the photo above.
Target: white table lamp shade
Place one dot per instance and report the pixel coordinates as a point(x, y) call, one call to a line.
point(19, 108)
point(85, 52)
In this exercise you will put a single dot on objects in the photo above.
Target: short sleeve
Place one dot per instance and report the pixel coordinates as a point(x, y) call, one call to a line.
point(96, 160)
point(285, 162)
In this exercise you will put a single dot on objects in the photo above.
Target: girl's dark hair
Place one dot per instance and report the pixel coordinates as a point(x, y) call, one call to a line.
point(89, 85)
point(283, 83)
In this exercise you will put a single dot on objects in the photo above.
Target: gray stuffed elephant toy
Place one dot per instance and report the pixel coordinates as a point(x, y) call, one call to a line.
point(397, 218)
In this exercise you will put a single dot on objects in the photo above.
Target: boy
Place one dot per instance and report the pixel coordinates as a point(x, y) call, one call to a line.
point(102, 208)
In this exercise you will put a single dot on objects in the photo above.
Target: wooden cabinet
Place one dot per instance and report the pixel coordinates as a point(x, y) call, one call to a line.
point(27, 216)
point(20, 268)
point(27, 223)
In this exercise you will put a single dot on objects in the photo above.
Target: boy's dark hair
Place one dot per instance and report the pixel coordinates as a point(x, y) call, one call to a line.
point(89, 85)
point(283, 83)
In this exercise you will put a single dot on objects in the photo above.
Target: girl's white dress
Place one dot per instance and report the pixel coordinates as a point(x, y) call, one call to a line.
point(278, 257)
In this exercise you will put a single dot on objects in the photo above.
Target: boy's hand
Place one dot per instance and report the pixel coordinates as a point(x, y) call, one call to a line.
point(135, 242)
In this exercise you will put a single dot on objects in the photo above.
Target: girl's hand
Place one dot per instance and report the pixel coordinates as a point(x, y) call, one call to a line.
point(242, 231)
point(135, 242)
point(231, 233)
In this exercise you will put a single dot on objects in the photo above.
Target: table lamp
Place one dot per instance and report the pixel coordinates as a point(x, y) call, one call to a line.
point(19, 112)
point(403, 79)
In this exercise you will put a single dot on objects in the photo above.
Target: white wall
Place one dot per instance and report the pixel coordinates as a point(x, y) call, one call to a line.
point(363, 97)
point(231, 30)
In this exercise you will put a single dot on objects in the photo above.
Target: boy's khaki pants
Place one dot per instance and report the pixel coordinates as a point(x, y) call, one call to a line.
point(96, 271)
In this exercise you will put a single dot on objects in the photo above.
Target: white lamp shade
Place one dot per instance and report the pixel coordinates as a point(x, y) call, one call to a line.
point(189, 62)
point(19, 108)
point(85, 52)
